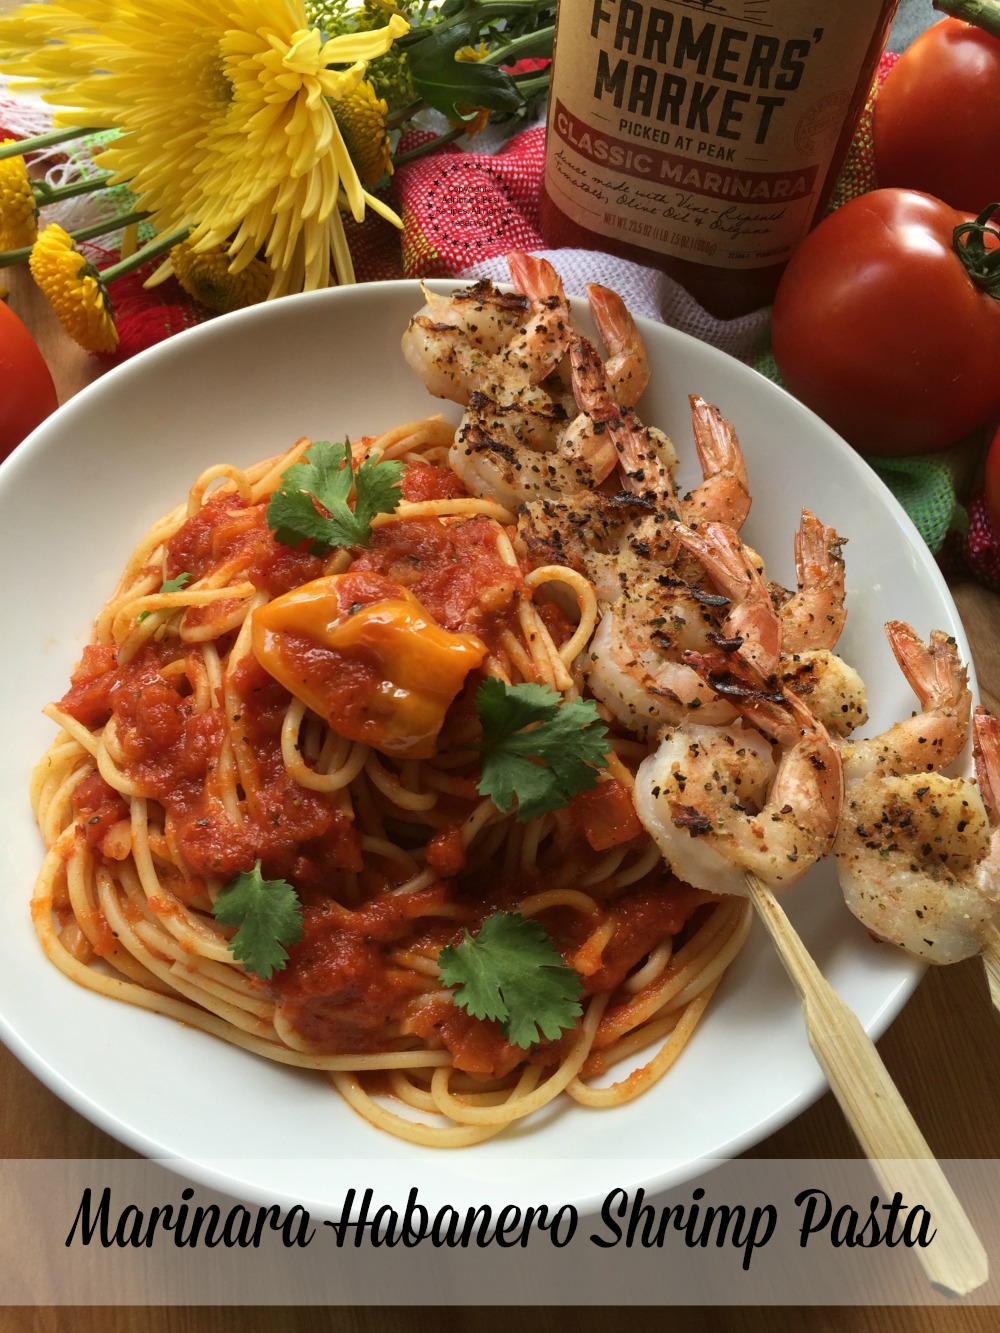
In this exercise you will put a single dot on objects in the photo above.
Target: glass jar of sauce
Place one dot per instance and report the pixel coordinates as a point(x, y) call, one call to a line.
point(704, 139)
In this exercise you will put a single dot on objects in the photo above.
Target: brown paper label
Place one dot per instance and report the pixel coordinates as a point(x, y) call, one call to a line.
point(698, 130)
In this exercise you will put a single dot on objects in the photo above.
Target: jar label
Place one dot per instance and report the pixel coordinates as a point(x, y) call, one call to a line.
point(703, 133)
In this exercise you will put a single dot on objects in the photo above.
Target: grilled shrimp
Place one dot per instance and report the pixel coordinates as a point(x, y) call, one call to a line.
point(482, 340)
point(751, 623)
point(918, 854)
point(517, 451)
point(763, 796)
point(512, 347)
point(635, 663)
point(830, 687)
point(722, 496)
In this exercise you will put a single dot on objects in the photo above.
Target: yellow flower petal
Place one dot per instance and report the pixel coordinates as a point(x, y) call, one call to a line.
point(18, 214)
point(361, 117)
point(74, 290)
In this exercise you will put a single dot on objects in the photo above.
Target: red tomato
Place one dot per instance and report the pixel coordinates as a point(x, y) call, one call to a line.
point(991, 482)
point(937, 118)
point(879, 328)
point(27, 394)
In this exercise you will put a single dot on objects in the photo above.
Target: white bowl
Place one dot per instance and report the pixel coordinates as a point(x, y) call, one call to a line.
point(77, 495)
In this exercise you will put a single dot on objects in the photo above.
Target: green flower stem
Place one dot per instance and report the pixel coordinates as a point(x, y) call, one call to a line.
point(152, 250)
point(21, 146)
point(399, 118)
point(84, 234)
point(530, 44)
point(983, 14)
point(46, 194)
point(530, 84)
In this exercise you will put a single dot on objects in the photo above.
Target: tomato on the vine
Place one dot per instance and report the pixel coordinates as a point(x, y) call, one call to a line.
point(936, 124)
point(991, 482)
point(27, 394)
point(886, 325)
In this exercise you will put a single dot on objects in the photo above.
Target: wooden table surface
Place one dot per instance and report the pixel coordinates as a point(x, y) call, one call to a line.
point(943, 1052)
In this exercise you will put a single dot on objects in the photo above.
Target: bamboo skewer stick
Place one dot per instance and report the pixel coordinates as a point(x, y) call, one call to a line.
point(956, 1261)
point(991, 964)
point(986, 757)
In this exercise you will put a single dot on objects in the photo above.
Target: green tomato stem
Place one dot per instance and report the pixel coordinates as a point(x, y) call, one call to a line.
point(983, 14)
point(981, 263)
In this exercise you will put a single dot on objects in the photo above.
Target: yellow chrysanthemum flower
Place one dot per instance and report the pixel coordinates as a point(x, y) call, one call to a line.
point(225, 119)
point(74, 290)
point(361, 117)
point(205, 275)
point(18, 214)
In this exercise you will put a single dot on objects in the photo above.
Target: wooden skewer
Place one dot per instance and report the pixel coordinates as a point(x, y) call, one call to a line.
point(956, 1261)
point(991, 964)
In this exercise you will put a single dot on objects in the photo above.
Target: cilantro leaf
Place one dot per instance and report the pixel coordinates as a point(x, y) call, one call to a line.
point(268, 915)
point(169, 585)
point(311, 506)
point(568, 739)
point(513, 973)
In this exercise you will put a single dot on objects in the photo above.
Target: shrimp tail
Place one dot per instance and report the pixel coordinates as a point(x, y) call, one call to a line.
point(590, 385)
point(753, 621)
point(933, 670)
point(627, 367)
point(938, 678)
point(815, 615)
point(725, 492)
point(534, 277)
point(986, 756)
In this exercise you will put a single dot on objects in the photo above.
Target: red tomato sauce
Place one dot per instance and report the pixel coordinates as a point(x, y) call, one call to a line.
point(454, 569)
point(658, 907)
point(427, 481)
point(173, 753)
point(341, 988)
point(227, 531)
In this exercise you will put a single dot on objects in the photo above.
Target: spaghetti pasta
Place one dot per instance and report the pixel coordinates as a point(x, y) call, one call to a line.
point(182, 762)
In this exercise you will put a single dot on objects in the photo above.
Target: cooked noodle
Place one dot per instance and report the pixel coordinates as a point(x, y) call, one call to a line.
point(407, 850)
